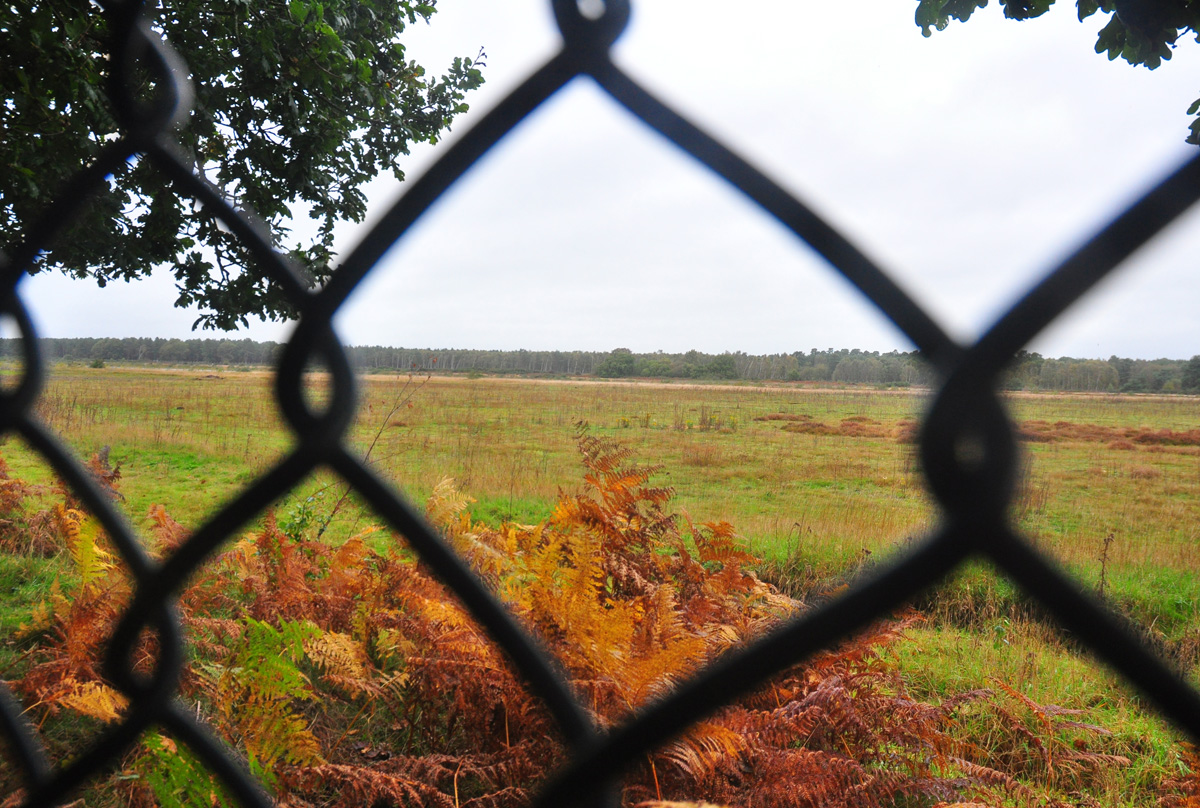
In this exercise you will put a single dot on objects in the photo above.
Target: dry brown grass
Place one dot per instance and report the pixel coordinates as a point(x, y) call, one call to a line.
point(1144, 472)
point(1039, 431)
point(852, 426)
point(832, 469)
point(702, 455)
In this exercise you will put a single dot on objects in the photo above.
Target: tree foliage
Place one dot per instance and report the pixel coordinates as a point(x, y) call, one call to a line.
point(1027, 371)
point(1191, 374)
point(298, 104)
point(1142, 32)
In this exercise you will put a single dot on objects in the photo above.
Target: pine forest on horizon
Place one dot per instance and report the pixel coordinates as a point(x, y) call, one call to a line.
point(1031, 371)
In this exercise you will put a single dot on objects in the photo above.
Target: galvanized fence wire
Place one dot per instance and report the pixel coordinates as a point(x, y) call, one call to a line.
point(967, 442)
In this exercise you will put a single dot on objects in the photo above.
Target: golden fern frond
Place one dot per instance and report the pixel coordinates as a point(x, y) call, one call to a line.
point(347, 568)
point(349, 557)
point(242, 557)
point(446, 503)
point(535, 570)
point(566, 511)
point(93, 699)
point(703, 748)
point(437, 610)
point(391, 644)
point(663, 651)
point(82, 534)
point(343, 661)
point(490, 552)
point(279, 735)
point(583, 571)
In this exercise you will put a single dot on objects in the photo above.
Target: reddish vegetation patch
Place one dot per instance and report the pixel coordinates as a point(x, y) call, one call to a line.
point(783, 416)
point(1168, 437)
point(863, 429)
point(905, 430)
point(810, 428)
point(1117, 437)
point(854, 426)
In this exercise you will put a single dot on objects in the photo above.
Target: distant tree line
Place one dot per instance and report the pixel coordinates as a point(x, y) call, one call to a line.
point(1032, 371)
point(1028, 371)
point(153, 349)
point(457, 360)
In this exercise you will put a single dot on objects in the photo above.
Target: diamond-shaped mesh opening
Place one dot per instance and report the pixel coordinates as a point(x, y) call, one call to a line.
point(967, 452)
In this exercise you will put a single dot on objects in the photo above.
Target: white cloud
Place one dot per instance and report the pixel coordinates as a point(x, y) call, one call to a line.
point(966, 163)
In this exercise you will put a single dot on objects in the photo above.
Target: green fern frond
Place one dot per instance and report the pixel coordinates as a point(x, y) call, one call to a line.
point(177, 778)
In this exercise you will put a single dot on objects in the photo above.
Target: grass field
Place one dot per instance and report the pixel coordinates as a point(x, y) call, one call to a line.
point(829, 473)
point(825, 475)
point(819, 482)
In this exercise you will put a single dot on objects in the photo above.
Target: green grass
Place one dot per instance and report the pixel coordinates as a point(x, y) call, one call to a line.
point(819, 508)
point(24, 583)
point(25, 586)
point(521, 511)
point(940, 662)
point(189, 441)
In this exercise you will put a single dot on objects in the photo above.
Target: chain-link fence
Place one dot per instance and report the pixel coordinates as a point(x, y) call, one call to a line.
point(967, 443)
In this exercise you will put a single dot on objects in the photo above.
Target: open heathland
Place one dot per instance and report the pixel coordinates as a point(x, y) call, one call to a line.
point(819, 484)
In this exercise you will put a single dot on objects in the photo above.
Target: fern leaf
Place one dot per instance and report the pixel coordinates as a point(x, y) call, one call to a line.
point(703, 748)
point(344, 661)
point(993, 777)
point(355, 786)
point(82, 534)
point(170, 534)
point(277, 735)
point(256, 687)
point(94, 699)
point(446, 503)
point(176, 777)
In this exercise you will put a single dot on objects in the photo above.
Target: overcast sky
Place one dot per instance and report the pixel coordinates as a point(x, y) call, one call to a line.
point(966, 164)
